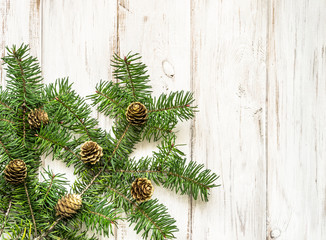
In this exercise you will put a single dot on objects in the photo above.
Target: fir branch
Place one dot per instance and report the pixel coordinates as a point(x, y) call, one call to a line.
point(24, 105)
point(24, 123)
point(6, 120)
point(169, 108)
point(49, 188)
point(156, 129)
point(30, 208)
point(76, 116)
point(6, 106)
point(168, 173)
point(46, 233)
point(58, 144)
point(6, 150)
point(101, 215)
point(91, 182)
point(23, 77)
point(132, 76)
point(167, 155)
point(189, 178)
point(107, 97)
point(115, 149)
point(119, 141)
point(129, 76)
point(138, 208)
point(72, 111)
point(6, 216)
point(176, 105)
point(110, 99)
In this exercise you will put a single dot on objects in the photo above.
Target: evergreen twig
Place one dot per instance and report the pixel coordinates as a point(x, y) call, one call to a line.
point(46, 233)
point(24, 105)
point(169, 108)
point(30, 208)
point(77, 117)
point(6, 150)
point(129, 76)
point(138, 208)
point(58, 144)
point(115, 149)
point(6, 216)
point(49, 188)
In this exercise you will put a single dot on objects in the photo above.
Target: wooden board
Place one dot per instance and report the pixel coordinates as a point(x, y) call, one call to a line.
point(296, 120)
point(258, 71)
point(229, 77)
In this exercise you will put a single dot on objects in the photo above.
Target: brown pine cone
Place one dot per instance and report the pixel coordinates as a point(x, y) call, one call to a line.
point(68, 205)
point(91, 152)
point(16, 171)
point(37, 117)
point(136, 113)
point(142, 189)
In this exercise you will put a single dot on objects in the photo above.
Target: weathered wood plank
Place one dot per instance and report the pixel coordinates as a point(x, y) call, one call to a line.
point(229, 80)
point(296, 120)
point(160, 32)
point(20, 23)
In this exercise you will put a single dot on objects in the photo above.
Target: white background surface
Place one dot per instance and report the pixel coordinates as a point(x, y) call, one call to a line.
point(258, 70)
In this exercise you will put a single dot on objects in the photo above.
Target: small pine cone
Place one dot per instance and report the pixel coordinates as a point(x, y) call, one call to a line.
point(136, 113)
point(68, 205)
point(37, 117)
point(91, 152)
point(16, 171)
point(142, 189)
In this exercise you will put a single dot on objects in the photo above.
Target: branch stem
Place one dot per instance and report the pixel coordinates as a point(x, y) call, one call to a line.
point(49, 188)
point(167, 173)
point(110, 157)
point(30, 208)
point(6, 150)
point(50, 229)
point(139, 209)
point(24, 105)
point(76, 116)
point(130, 78)
point(56, 143)
point(7, 106)
point(107, 97)
point(6, 120)
point(101, 215)
point(6, 216)
point(169, 108)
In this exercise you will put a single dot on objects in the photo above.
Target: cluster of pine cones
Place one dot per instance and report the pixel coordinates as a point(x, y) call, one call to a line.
point(90, 152)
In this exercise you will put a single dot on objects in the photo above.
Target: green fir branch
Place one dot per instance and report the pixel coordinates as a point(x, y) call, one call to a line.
point(176, 105)
point(148, 217)
point(110, 99)
point(72, 111)
point(132, 76)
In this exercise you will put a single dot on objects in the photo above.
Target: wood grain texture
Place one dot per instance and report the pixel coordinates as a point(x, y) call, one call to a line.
point(20, 21)
point(296, 120)
point(229, 64)
point(258, 70)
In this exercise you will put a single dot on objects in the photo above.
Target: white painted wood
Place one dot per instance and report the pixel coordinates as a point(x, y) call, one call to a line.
point(20, 23)
point(296, 120)
point(258, 71)
point(229, 77)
